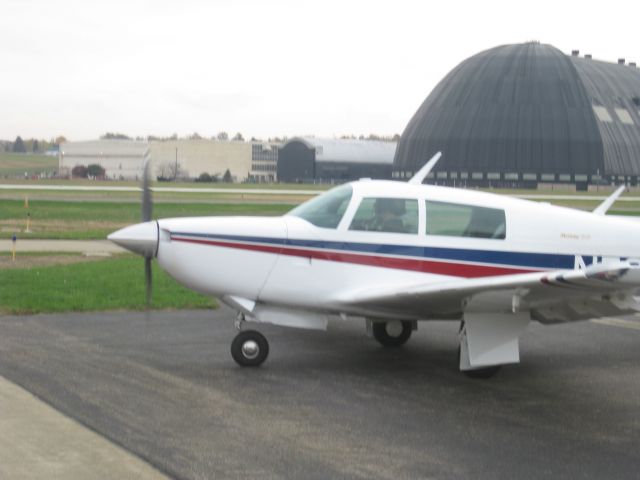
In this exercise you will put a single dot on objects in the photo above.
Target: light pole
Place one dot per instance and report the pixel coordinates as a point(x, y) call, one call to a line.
point(175, 172)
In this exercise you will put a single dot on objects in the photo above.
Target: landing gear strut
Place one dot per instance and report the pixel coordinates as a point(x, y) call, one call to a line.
point(250, 348)
point(393, 333)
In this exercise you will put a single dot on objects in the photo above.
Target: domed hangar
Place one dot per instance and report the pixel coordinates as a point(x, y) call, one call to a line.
point(519, 115)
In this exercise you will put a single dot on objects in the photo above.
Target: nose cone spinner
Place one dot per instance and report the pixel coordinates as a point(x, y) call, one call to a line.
point(141, 238)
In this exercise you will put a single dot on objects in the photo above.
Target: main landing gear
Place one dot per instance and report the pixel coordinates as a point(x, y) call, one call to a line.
point(480, 373)
point(249, 348)
point(393, 333)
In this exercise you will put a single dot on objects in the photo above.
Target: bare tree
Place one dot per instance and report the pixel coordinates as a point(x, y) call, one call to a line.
point(170, 171)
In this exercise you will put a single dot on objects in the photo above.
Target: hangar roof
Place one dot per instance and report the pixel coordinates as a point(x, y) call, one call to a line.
point(107, 148)
point(614, 91)
point(528, 108)
point(349, 150)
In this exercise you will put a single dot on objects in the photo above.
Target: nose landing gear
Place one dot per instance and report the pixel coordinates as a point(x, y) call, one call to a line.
point(249, 348)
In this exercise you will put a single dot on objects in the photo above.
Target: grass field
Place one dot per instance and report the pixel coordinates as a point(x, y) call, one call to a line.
point(94, 220)
point(112, 284)
point(56, 283)
point(85, 219)
point(166, 197)
point(16, 164)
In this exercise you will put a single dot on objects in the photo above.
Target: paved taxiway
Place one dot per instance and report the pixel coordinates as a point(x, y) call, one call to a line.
point(37, 441)
point(334, 404)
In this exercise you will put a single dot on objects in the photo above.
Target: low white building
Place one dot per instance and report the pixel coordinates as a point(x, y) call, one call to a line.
point(194, 157)
point(121, 159)
point(124, 159)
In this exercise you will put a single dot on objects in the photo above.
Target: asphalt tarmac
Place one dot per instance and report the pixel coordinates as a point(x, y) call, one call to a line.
point(335, 404)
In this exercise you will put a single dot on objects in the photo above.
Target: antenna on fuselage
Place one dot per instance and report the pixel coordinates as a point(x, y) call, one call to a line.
point(606, 205)
point(421, 174)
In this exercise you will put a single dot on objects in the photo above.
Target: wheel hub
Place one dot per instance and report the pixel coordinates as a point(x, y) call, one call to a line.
point(394, 328)
point(250, 349)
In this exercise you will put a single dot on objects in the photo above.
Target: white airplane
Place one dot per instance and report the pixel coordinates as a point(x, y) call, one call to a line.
point(395, 253)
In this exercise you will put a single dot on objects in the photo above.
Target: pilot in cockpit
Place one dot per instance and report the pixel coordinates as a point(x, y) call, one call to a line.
point(388, 215)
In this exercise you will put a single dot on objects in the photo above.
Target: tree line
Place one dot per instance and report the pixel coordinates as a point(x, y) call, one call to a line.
point(32, 145)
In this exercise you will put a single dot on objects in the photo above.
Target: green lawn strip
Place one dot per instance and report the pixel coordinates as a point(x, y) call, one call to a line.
point(48, 254)
point(168, 197)
point(626, 213)
point(13, 164)
point(88, 220)
point(74, 233)
point(82, 220)
point(113, 284)
point(127, 212)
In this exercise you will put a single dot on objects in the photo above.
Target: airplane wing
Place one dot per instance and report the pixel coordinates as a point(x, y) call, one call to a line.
point(556, 296)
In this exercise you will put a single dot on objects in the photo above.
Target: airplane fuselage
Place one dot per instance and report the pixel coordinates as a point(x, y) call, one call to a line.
point(289, 261)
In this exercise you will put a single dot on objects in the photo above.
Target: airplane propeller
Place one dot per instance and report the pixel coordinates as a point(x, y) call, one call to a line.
point(147, 210)
point(142, 238)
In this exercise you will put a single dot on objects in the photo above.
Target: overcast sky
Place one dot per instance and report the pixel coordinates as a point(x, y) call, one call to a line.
point(263, 68)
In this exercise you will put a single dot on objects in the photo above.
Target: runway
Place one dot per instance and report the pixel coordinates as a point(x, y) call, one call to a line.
point(334, 404)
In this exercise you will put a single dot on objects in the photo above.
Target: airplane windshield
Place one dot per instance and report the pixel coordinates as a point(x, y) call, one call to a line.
point(325, 210)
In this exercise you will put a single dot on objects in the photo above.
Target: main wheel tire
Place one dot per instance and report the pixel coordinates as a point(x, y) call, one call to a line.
point(249, 348)
point(393, 333)
point(480, 373)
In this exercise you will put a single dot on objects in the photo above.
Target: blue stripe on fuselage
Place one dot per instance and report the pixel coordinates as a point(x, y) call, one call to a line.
point(515, 259)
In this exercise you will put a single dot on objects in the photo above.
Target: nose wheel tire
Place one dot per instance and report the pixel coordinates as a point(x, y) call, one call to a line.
point(393, 333)
point(250, 348)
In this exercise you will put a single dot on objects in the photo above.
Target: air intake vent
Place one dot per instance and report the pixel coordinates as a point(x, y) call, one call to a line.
point(621, 61)
point(575, 53)
point(587, 56)
point(632, 64)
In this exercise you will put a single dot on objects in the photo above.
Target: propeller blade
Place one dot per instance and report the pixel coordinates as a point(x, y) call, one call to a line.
point(147, 211)
point(147, 201)
point(147, 280)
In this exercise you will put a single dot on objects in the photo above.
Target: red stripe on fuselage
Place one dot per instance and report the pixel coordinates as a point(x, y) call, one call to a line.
point(412, 264)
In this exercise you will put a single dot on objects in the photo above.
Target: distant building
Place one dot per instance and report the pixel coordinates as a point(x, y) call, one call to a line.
point(524, 114)
point(121, 159)
point(54, 151)
point(264, 162)
point(320, 160)
point(195, 157)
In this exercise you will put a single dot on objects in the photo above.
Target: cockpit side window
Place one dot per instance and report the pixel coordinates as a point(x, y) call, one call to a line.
point(391, 215)
point(458, 220)
point(325, 210)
